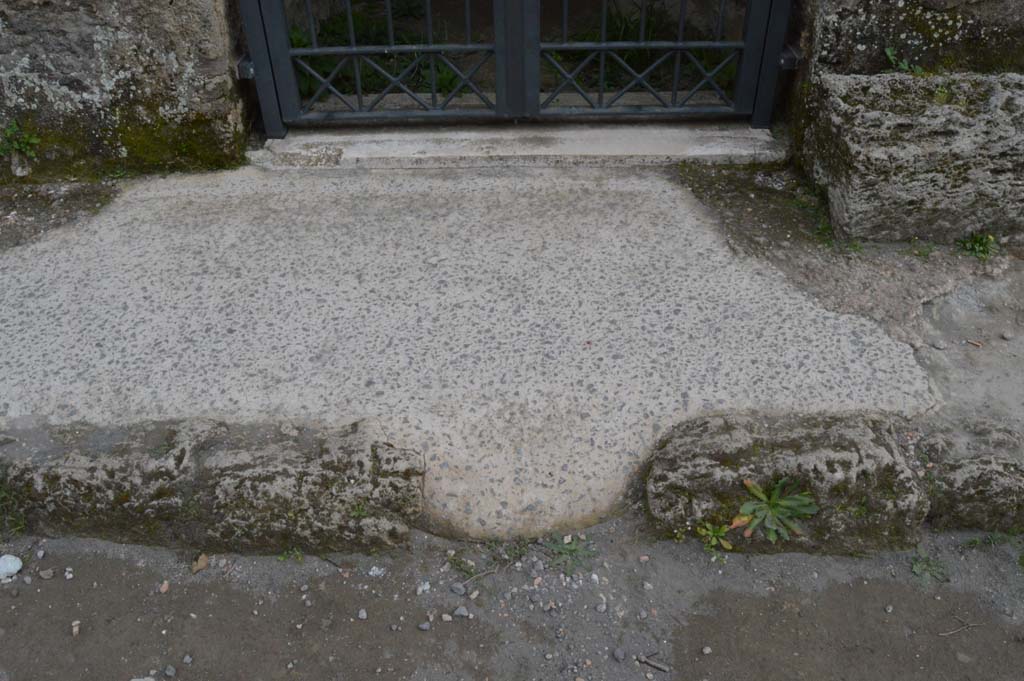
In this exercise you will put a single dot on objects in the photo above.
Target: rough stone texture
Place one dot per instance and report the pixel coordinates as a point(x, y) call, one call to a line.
point(928, 157)
point(868, 493)
point(208, 484)
point(934, 158)
point(850, 36)
point(877, 478)
point(975, 474)
point(121, 84)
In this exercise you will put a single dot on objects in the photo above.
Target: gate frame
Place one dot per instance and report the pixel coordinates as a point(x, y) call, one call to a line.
point(518, 70)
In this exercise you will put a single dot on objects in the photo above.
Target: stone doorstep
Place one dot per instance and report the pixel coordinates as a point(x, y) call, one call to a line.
point(875, 478)
point(525, 145)
point(273, 487)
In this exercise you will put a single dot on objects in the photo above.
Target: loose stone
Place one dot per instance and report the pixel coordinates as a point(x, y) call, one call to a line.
point(619, 654)
point(458, 588)
point(425, 626)
point(10, 565)
point(170, 671)
point(362, 614)
point(706, 650)
point(461, 611)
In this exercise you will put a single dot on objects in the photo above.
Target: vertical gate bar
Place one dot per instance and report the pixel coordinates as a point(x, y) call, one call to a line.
point(721, 19)
point(469, 26)
point(357, 66)
point(433, 61)
point(279, 46)
point(643, 20)
point(390, 20)
point(565, 21)
point(502, 68)
point(758, 13)
point(601, 57)
point(679, 53)
point(531, 57)
point(778, 25)
point(266, 92)
point(313, 38)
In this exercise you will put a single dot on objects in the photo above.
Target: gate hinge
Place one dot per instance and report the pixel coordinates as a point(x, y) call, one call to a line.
point(245, 68)
point(791, 58)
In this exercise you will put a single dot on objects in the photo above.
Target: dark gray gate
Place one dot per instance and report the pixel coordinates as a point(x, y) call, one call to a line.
point(322, 61)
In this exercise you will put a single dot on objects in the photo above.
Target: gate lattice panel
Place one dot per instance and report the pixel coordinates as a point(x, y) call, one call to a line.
point(321, 61)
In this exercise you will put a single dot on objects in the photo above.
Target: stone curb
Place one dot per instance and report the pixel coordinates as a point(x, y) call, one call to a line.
point(876, 478)
point(208, 484)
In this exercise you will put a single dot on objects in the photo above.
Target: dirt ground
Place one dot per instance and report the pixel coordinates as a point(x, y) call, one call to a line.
point(620, 591)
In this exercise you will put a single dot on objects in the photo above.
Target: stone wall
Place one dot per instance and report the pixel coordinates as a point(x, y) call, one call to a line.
point(112, 85)
point(933, 149)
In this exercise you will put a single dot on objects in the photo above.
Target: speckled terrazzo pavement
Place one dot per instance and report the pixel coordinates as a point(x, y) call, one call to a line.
point(531, 331)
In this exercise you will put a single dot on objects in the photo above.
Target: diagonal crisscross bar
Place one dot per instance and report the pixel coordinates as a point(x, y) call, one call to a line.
point(639, 78)
point(709, 78)
point(466, 80)
point(396, 81)
point(568, 79)
point(325, 83)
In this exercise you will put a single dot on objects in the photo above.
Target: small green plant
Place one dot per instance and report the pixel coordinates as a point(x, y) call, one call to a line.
point(571, 555)
point(1020, 561)
point(921, 249)
point(359, 511)
point(508, 552)
point(12, 513)
point(713, 536)
point(464, 566)
point(902, 64)
point(980, 244)
point(14, 139)
point(943, 96)
point(927, 568)
point(988, 540)
point(291, 554)
point(776, 512)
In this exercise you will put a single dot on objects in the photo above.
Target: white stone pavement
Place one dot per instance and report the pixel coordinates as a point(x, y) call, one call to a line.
point(531, 330)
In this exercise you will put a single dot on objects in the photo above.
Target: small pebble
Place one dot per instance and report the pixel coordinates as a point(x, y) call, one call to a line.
point(648, 586)
point(425, 626)
point(362, 614)
point(458, 588)
point(461, 611)
point(445, 617)
point(46, 574)
point(706, 650)
point(40, 554)
point(888, 609)
point(1007, 336)
point(619, 654)
point(165, 587)
point(170, 671)
point(187, 659)
point(602, 607)
point(643, 614)
point(473, 595)
point(76, 627)
point(304, 588)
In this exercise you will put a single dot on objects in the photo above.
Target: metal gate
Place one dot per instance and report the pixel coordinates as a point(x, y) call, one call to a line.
point(322, 61)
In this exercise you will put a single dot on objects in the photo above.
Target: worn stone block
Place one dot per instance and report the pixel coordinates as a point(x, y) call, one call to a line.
point(207, 484)
point(935, 158)
point(868, 494)
point(121, 84)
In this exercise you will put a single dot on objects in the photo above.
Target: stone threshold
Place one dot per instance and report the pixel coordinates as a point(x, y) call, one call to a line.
point(520, 145)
